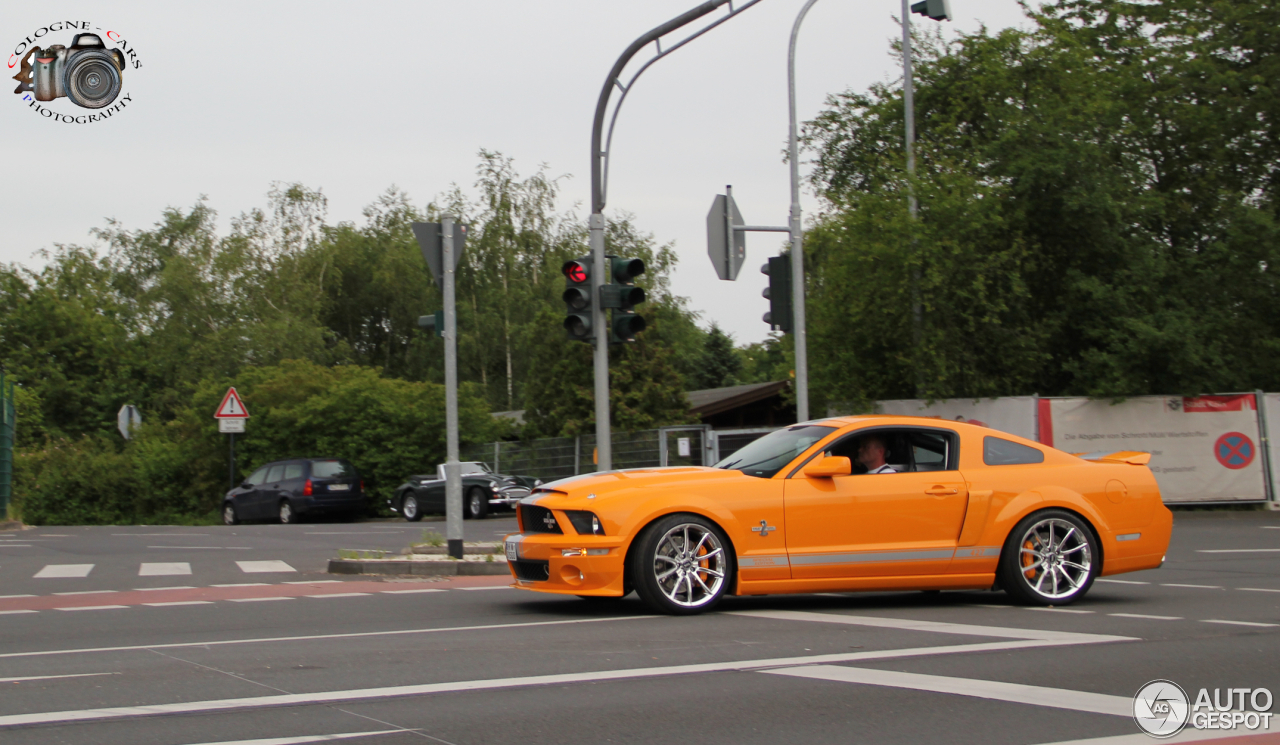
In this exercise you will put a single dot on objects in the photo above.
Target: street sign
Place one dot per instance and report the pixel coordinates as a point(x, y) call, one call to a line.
point(231, 426)
point(128, 419)
point(727, 251)
point(428, 235)
point(231, 407)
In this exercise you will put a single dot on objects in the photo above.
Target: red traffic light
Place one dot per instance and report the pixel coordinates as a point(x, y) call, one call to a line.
point(575, 271)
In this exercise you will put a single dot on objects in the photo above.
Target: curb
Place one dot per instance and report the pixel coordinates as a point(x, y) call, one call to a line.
point(11, 525)
point(425, 568)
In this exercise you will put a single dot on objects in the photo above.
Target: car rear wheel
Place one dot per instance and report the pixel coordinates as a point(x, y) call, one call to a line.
point(477, 503)
point(286, 513)
point(1050, 558)
point(229, 516)
point(409, 508)
point(681, 565)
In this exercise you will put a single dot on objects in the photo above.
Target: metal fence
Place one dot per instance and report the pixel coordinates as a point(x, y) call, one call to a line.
point(8, 421)
point(555, 458)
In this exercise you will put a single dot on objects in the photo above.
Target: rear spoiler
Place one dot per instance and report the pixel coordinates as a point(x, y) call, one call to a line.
point(1132, 457)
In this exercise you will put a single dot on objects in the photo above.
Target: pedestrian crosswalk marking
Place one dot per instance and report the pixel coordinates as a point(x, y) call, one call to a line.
point(164, 569)
point(262, 567)
point(64, 570)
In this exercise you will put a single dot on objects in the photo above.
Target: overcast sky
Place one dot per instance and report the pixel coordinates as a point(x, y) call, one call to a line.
point(353, 97)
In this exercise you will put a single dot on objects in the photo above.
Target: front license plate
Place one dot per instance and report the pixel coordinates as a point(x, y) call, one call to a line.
point(339, 487)
point(512, 554)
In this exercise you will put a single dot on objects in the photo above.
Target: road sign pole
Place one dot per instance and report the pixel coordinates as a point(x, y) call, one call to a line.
point(452, 477)
point(231, 473)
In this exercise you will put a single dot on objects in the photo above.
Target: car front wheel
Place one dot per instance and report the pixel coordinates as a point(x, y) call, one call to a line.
point(409, 508)
point(682, 565)
point(477, 503)
point(286, 513)
point(229, 516)
point(1050, 558)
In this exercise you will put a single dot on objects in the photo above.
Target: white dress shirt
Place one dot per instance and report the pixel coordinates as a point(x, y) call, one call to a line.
point(886, 468)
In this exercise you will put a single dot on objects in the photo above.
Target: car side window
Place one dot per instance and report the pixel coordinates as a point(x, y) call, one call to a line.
point(275, 474)
point(293, 471)
point(258, 477)
point(906, 450)
point(929, 451)
point(998, 452)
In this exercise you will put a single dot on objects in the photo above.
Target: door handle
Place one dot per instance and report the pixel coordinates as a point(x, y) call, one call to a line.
point(941, 491)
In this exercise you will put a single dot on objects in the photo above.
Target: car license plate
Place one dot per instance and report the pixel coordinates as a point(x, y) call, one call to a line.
point(512, 554)
point(339, 487)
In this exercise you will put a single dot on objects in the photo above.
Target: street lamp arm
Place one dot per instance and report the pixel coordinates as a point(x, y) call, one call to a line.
point(600, 157)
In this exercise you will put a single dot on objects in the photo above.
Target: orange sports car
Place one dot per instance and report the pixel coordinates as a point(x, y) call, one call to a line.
point(847, 504)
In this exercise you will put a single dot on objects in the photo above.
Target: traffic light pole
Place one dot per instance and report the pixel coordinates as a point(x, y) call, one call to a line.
point(452, 476)
point(800, 334)
point(600, 148)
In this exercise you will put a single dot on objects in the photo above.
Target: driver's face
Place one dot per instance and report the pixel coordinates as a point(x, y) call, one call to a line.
point(871, 453)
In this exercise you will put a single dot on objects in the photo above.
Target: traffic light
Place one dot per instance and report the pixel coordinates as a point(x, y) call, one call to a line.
point(778, 293)
point(938, 10)
point(623, 296)
point(577, 298)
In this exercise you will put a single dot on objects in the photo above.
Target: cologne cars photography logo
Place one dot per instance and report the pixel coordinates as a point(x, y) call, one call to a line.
point(1162, 708)
point(80, 82)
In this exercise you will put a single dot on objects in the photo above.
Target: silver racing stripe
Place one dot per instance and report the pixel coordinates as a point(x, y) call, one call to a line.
point(762, 562)
point(867, 557)
point(978, 552)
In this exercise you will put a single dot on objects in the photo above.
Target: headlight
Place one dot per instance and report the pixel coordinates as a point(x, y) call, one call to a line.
point(585, 523)
point(537, 482)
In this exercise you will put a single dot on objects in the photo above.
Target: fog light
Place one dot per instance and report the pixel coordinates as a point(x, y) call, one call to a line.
point(598, 552)
point(573, 552)
point(571, 575)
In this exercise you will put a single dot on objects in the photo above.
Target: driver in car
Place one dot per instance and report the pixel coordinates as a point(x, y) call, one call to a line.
point(871, 452)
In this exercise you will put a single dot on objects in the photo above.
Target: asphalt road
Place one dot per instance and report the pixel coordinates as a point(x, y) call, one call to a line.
point(227, 655)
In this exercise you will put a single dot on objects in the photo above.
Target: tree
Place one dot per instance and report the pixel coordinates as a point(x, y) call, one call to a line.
point(721, 365)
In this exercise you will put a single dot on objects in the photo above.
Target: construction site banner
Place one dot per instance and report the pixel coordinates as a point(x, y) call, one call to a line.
point(1013, 414)
point(1203, 449)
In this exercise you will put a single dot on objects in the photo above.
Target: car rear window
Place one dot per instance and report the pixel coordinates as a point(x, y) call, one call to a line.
point(331, 469)
point(998, 452)
point(293, 471)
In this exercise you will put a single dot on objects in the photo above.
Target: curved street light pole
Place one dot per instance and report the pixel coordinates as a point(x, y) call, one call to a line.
point(599, 188)
point(797, 234)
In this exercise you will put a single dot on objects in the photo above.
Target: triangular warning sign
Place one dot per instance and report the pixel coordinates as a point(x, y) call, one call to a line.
point(232, 407)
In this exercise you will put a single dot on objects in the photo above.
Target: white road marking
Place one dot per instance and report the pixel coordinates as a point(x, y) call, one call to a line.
point(159, 535)
point(1241, 623)
point(1061, 610)
point(64, 570)
point(154, 589)
point(13, 612)
point(409, 592)
point(244, 584)
point(935, 626)
point(364, 532)
point(258, 600)
point(1198, 587)
point(1140, 615)
point(180, 602)
point(53, 677)
point(1239, 551)
point(208, 548)
point(1270, 527)
point(52, 535)
point(307, 738)
point(164, 569)
point(95, 607)
point(87, 592)
point(261, 567)
point(341, 595)
point(1257, 589)
point(5, 544)
point(313, 582)
point(1058, 698)
point(496, 587)
point(320, 637)
point(1121, 581)
point(7, 597)
point(364, 694)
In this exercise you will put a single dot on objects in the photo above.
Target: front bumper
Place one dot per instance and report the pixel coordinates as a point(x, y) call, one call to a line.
point(594, 565)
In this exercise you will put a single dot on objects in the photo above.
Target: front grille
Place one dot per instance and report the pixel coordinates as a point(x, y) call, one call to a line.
point(534, 571)
point(535, 519)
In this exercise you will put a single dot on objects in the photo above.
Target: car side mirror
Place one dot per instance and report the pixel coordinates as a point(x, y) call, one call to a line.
point(245, 485)
point(825, 468)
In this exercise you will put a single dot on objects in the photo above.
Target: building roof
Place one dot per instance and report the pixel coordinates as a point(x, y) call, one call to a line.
point(715, 400)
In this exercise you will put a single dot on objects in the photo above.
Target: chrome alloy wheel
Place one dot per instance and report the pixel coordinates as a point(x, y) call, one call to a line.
point(690, 565)
point(1054, 558)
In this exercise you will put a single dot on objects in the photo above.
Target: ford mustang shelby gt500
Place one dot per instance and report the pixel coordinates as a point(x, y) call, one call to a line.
point(847, 504)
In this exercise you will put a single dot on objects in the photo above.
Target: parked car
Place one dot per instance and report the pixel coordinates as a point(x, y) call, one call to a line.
point(289, 489)
point(846, 504)
point(482, 491)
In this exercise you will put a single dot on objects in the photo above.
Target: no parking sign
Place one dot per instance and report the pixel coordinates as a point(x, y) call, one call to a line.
point(1234, 450)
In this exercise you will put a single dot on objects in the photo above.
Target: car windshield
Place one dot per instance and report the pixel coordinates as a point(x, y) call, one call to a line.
point(331, 469)
point(468, 468)
point(766, 456)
